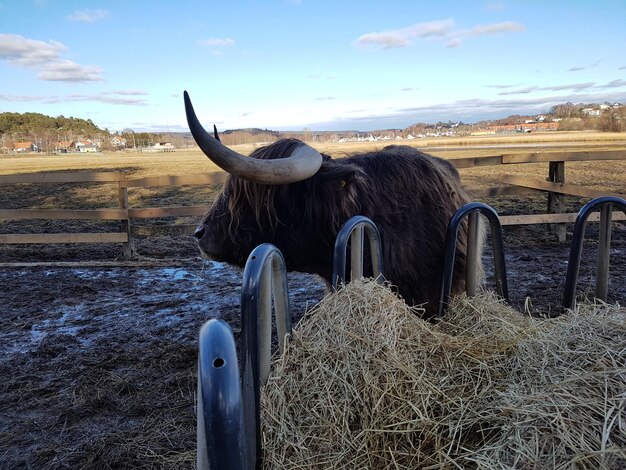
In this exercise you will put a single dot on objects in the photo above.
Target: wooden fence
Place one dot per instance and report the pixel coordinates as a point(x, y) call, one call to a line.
point(508, 184)
point(123, 212)
point(554, 185)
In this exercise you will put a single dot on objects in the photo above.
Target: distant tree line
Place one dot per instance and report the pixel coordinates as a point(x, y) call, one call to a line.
point(16, 123)
point(247, 136)
point(46, 131)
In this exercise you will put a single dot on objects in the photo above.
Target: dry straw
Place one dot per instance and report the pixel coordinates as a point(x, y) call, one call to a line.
point(365, 383)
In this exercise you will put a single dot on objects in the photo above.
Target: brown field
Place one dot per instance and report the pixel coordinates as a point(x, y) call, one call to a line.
point(607, 176)
point(98, 362)
point(183, 162)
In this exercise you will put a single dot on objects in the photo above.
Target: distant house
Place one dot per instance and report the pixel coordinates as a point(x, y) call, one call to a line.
point(591, 112)
point(88, 148)
point(24, 147)
point(118, 141)
point(64, 146)
point(162, 147)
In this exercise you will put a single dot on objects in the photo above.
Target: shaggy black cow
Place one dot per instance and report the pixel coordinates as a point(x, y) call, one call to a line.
point(292, 196)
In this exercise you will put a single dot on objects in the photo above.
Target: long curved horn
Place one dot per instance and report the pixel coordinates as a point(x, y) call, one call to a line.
point(303, 162)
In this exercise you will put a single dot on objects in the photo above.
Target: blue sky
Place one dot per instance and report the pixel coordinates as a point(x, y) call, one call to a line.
point(295, 64)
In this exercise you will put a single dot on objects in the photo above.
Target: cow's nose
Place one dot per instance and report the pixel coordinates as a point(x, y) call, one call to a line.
point(199, 233)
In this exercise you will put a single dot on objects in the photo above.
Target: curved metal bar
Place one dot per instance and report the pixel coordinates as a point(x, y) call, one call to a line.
point(606, 204)
point(264, 276)
point(220, 430)
point(353, 230)
point(450, 251)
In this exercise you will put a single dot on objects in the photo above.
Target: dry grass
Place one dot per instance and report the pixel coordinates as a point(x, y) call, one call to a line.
point(604, 175)
point(191, 161)
point(609, 175)
point(366, 384)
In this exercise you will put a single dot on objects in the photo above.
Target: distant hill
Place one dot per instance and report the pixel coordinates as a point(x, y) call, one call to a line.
point(30, 123)
point(45, 131)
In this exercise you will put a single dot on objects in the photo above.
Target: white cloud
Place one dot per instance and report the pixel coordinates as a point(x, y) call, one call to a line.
point(614, 84)
point(443, 30)
point(402, 37)
point(46, 58)
point(129, 92)
point(578, 68)
point(495, 28)
point(575, 87)
point(24, 52)
point(501, 86)
point(504, 27)
point(105, 98)
point(316, 76)
point(470, 110)
point(68, 71)
point(88, 16)
point(217, 42)
point(115, 98)
point(20, 98)
point(495, 6)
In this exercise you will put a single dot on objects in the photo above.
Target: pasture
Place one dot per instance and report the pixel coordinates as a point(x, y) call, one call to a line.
point(99, 353)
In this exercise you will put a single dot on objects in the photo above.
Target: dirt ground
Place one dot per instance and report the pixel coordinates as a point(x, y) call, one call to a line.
point(98, 356)
point(99, 362)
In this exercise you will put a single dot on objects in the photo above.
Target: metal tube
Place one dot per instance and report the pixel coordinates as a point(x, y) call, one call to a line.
point(450, 252)
point(473, 249)
point(376, 250)
point(341, 246)
point(576, 248)
point(256, 304)
point(281, 301)
point(220, 430)
point(264, 312)
point(356, 253)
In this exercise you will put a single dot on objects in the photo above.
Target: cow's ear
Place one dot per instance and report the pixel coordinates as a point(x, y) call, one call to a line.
point(341, 176)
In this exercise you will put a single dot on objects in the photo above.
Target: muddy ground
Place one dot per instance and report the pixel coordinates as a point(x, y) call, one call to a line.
point(98, 362)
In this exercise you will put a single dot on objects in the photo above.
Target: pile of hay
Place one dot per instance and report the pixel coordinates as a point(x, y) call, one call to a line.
point(365, 383)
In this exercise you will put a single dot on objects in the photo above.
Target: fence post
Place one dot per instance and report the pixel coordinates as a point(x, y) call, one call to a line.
point(604, 252)
point(122, 194)
point(556, 174)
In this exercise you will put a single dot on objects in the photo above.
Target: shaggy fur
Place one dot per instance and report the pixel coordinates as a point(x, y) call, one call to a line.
point(408, 194)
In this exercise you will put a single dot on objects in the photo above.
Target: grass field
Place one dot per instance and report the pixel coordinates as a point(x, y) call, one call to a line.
point(604, 175)
point(609, 176)
point(192, 161)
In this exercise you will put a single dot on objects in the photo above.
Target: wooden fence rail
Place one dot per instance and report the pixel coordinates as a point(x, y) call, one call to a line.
point(509, 184)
